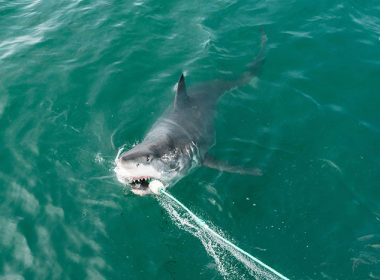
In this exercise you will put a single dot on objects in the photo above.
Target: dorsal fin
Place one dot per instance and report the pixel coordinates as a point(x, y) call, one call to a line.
point(181, 97)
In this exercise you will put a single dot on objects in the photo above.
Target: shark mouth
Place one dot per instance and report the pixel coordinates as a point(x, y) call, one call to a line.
point(140, 182)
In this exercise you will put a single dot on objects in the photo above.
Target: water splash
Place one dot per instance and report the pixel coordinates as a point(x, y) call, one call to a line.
point(216, 245)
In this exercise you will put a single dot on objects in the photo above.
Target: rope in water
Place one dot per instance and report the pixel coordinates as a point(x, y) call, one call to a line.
point(203, 224)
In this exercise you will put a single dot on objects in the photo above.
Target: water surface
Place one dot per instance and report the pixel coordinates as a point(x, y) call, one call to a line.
point(80, 79)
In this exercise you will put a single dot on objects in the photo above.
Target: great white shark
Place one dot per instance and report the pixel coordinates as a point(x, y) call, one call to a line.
point(181, 138)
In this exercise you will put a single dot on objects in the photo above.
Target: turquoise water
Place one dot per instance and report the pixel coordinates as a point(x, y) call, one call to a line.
point(80, 79)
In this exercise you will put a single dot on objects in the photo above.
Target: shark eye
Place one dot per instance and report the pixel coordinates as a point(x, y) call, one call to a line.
point(148, 158)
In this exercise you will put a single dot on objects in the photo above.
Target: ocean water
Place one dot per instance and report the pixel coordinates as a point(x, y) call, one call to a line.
point(81, 79)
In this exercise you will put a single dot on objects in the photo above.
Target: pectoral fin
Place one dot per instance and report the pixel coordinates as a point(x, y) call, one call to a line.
point(225, 167)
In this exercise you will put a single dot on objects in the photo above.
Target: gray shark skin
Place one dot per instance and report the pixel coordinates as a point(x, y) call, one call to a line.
point(180, 139)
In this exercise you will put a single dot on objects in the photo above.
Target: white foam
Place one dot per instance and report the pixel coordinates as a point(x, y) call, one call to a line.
point(231, 263)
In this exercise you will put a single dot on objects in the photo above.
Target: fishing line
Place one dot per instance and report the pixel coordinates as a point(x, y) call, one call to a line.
point(203, 225)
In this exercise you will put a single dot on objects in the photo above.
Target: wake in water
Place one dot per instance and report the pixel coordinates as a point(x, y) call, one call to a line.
point(217, 246)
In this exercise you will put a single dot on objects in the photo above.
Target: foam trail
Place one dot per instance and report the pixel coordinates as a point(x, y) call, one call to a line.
point(217, 246)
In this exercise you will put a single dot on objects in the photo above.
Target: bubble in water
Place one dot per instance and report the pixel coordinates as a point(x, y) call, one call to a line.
point(98, 158)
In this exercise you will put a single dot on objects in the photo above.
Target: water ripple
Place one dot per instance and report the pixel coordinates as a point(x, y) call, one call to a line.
point(79, 79)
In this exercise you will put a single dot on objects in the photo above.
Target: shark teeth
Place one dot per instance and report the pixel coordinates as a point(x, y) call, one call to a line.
point(140, 182)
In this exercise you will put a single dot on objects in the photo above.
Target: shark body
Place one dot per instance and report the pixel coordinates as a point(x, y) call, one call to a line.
point(180, 139)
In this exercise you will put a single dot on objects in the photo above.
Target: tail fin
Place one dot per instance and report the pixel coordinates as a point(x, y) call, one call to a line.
point(219, 87)
point(254, 68)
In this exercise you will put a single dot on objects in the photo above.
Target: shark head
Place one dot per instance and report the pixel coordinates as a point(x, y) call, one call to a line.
point(144, 163)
